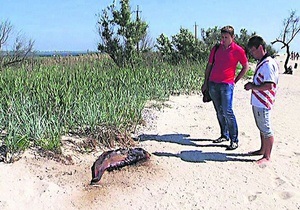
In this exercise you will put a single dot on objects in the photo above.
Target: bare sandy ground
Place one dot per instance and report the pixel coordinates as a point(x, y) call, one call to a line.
point(186, 170)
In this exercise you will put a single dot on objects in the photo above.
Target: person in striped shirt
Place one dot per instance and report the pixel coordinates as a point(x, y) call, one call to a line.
point(263, 94)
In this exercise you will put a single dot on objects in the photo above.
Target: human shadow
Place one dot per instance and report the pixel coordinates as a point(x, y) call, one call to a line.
point(182, 139)
point(197, 156)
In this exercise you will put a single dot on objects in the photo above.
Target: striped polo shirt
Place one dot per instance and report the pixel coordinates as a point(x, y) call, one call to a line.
point(266, 71)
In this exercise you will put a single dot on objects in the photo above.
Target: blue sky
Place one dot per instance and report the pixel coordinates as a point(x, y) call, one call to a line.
point(71, 24)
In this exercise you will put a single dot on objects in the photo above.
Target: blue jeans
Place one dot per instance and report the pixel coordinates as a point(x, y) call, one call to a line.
point(222, 96)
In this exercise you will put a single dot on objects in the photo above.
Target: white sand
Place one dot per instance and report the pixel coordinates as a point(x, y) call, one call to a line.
point(186, 170)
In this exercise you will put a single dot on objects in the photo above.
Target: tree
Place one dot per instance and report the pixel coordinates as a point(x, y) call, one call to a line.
point(5, 30)
point(242, 39)
point(120, 35)
point(183, 46)
point(165, 48)
point(20, 49)
point(186, 45)
point(146, 44)
point(210, 36)
point(291, 28)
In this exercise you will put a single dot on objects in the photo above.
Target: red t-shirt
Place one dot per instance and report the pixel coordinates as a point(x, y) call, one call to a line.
point(226, 60)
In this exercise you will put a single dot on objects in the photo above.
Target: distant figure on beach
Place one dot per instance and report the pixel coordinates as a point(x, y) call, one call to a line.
point(264, 87)
point(220, 79)
point(292, 55)
point(297, 56)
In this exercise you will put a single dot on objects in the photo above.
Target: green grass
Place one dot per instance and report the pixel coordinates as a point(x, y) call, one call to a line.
point(38, 106)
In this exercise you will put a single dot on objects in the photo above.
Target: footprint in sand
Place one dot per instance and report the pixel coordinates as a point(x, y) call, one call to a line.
point(279, 181)
point(285, 195)
point(263, 165)
point(252, 197)
point(3, 204)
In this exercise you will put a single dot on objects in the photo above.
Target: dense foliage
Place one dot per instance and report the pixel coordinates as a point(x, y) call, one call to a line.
point(38, 106)
point(184, 46)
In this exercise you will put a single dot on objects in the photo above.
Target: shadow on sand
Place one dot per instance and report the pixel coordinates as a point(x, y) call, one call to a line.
point(182, 139)
point(195, 156)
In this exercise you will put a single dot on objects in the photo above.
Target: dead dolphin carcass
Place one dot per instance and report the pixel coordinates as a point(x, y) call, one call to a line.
point(116, 159)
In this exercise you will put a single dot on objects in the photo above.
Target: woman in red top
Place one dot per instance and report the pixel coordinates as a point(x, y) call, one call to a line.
point(220, 79)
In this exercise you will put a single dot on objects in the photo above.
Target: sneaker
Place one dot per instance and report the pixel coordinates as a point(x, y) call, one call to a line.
point(220, 139)
point(232, 146)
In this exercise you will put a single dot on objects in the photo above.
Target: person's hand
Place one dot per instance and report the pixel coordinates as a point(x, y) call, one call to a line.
point(248, 86)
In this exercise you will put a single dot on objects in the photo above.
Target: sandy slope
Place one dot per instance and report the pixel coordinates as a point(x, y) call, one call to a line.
point(186, 170)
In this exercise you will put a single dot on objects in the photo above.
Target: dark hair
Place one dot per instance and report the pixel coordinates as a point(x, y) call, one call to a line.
point(228, 29)
point(255, 41)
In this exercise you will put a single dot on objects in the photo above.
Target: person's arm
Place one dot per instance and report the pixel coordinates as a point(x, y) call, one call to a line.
point(209, 66)
point(243, 71)
point(206, 77)
point(262, 87)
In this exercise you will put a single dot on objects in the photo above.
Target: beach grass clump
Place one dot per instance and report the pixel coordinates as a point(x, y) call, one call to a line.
point(39, 105)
